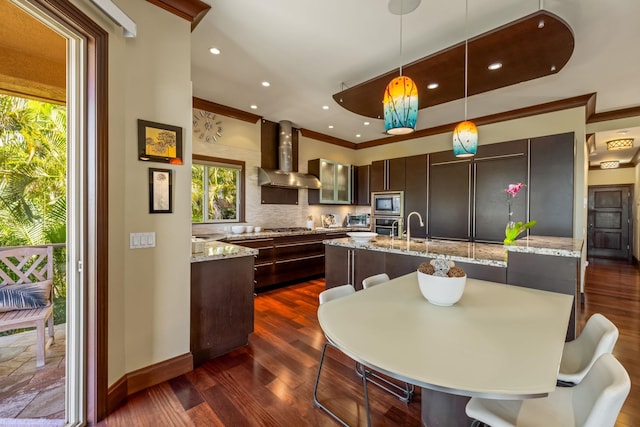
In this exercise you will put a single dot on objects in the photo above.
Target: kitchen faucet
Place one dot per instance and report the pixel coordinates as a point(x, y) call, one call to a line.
point(409, 225)
point(398, 224)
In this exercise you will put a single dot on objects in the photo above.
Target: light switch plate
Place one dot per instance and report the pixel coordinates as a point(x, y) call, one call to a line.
point(142, 240)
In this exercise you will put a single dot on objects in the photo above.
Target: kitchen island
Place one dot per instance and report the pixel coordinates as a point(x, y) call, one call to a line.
point(221, 299)
point(546, 263)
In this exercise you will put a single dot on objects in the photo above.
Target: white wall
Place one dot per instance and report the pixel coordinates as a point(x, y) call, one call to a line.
point(150, 79)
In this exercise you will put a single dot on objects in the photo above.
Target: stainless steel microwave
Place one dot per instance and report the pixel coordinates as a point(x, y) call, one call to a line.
point(387, 203)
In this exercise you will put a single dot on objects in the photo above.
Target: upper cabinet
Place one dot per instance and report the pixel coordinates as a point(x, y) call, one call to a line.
point(467, 197)
point(493, 170)
point(449, 196)
point(335, 179)
point(361, 186)
point(551, 186)
point(388, 175)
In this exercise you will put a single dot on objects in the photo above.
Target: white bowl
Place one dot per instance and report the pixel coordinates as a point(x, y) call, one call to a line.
point(248, 229)
point(362, 236)
point(443, 291)
point(257, 229)
point(237, 229)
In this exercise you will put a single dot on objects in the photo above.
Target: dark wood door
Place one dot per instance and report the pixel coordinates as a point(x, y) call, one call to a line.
point(609, 221)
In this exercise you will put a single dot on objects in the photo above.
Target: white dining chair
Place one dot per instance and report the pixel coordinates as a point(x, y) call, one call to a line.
point(375, 280)
point(594, 402)
point(403, 391)
point(598, 337)
point(325, 297)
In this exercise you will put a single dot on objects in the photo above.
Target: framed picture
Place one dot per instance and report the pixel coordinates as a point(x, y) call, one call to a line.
point(160, 191)
point(159, 143)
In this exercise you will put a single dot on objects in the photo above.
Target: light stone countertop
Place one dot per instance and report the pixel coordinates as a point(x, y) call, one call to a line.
point(215, 250)
point(270, 234)
point(492, 254)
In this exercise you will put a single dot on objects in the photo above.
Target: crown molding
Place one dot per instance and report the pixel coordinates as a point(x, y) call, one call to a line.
point(234, 113)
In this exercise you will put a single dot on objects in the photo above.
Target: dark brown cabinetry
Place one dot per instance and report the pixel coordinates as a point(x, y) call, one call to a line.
point(388, 175)
point(298, 257)
point(263, 266)
point(287, 259)
point(494, 168)
point(397, 265)
point(548, 273)
point(362, 187)
point(467, 198)
point(449, 197)
point(415, 193)
point(551, 186)
point(221, 306)
point(348, 265)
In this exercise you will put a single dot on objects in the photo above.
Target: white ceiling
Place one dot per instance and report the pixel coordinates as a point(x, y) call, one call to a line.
point(308, 49)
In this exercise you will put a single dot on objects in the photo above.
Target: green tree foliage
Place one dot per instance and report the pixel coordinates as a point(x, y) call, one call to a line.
point(222, 194)
point(32, 172)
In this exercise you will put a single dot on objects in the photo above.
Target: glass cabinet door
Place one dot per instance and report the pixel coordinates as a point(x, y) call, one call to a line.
point(343, 183)
point(327, 179)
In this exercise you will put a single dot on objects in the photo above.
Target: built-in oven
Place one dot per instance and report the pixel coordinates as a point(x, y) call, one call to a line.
point(387, 225)
point(387, 203)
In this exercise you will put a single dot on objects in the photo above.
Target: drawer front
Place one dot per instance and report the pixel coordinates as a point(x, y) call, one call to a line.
point(298, 250)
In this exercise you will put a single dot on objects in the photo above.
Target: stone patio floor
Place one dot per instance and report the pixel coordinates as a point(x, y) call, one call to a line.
point(31, 396)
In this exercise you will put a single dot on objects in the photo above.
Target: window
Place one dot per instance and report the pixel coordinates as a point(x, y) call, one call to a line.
point(217, 190)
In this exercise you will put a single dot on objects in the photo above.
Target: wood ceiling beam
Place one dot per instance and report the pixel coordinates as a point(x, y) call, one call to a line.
point(191, 10)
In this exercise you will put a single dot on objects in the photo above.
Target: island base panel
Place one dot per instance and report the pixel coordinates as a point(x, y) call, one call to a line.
point(441, 409)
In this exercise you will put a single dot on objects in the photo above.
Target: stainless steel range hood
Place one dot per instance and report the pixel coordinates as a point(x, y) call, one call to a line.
point(284, 177)
point(278, 178)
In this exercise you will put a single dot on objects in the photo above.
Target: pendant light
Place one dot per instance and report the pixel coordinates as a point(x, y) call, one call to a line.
point(400, 99)
point(465, 135)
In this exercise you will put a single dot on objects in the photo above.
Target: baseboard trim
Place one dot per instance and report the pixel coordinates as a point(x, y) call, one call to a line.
point(147, 377)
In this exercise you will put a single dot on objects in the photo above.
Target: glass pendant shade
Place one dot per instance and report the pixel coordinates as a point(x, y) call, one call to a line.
point(400, 106)
point(465, 139)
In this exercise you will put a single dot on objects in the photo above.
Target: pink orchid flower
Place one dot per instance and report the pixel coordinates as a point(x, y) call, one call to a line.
point(514, 189)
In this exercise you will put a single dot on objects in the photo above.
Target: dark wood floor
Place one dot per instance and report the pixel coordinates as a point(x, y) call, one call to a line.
point(270, 381)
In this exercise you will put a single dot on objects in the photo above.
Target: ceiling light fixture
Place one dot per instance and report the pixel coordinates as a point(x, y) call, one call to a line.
point(465, 135)
point(266, 84)
point(401, 95)
point(609, 165)
point(325, 107)
point(495, 66)
point(366, 123)
point(254, 107)
point(620, 144)
point(215, 51)
point(432, 86)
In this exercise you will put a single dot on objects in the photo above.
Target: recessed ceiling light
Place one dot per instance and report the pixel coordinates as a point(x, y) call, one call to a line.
point(366, 123)
point(215, 51)
point(495, 66)
point(609, 165)
point(553, 68)
point(541, 23)
point(358, 135)
point(325, 107)
point(266, 84)
point(432, 85)
point(330, 126)
point(254, 107)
